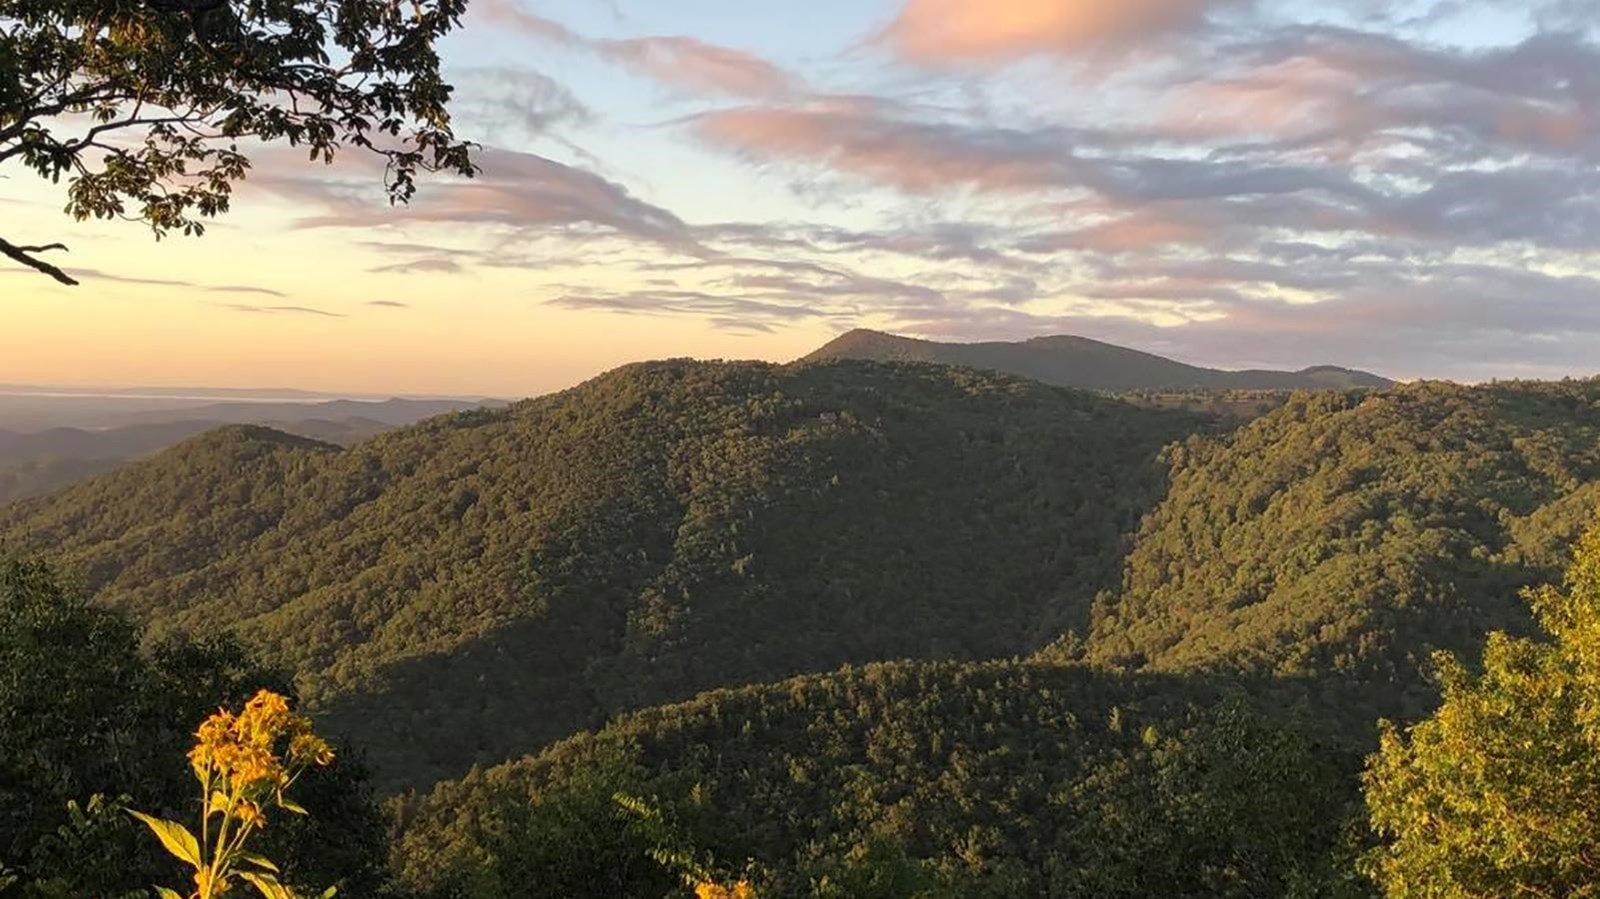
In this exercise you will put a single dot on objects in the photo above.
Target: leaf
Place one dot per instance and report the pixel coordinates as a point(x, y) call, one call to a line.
point(165, 893)
point(177, 838)
point(218, 804)
point(267, 885)
point(260, 861)
point(329, 893)
point(290, 805)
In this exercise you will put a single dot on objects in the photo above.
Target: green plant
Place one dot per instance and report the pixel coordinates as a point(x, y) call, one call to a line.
point(244, 763)
point(669, 849)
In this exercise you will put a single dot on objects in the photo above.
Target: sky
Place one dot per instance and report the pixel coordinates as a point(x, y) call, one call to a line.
point(1411, 188)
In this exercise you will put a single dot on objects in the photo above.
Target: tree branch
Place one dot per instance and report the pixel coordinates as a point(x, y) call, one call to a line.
point(21, 254)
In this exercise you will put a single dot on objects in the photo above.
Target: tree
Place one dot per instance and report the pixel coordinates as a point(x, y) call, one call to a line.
point(1230, 803)
point(148, 107)
point(1498, 792)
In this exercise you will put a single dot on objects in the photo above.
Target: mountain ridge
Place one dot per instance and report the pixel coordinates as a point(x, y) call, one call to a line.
point(39, 460)
point(661, 529)
point(1066, 360)
point(678, 526)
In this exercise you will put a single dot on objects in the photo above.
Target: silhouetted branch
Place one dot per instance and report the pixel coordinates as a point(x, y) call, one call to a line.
point(22, 255)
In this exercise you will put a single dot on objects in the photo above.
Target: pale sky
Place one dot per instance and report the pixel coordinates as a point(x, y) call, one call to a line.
point(1407, 188)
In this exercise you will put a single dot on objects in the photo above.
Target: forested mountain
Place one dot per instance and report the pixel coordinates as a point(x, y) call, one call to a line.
point(1349, 534)
point(1287, 591)
point(476, 586)
point(918, 779)
point(1068, 361)
point(1203, 621)
point(473, 587)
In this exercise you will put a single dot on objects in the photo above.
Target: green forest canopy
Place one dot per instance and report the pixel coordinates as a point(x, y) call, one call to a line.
point(470, 588)
point(978, 779)
point(1221, 621)
point(1348, 536)
point(476, 586)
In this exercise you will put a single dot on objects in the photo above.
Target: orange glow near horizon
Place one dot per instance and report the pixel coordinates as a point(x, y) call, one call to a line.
point(489, 333)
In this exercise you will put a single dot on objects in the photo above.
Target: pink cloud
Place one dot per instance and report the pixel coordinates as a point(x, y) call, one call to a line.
point(694, 65)
point(1286, 99)
point(1337, 93)
point(934, 32)
point(509, 12)
point(1141, 230)
point(855, 137)
point(680, 63)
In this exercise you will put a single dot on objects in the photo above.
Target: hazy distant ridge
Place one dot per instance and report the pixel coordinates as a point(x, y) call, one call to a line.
point(83, 436)
point(1068, 361)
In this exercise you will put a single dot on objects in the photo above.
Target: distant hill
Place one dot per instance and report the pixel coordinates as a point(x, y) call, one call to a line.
point(1067, 361)
point(390, 412)
point(34, 409)
point(35, 462)
point(474, 586)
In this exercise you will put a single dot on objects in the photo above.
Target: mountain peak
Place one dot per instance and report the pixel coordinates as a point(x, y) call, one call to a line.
point(1068, 360)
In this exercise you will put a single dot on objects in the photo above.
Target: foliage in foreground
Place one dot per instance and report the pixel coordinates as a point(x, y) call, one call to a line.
point(245, 763)
point(1498, 793)
point(90, 724)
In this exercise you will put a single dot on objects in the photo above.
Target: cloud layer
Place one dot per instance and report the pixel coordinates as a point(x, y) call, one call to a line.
point(1238, 182)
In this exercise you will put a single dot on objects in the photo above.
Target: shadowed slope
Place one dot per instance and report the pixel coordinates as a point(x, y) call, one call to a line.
point(661, 530)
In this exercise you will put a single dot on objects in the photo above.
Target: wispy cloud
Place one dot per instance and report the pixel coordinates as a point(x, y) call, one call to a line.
point(489, 99)
point(92, 275)
point(279, 310)
point(678, 62)
point(517, 191)
point(729, 313)
point(425, 264)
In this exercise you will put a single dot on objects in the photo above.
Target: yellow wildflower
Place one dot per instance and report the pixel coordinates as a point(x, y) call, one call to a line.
point(265, 718)
point(740, 890)
point(249, 814)
point(306, 748)
point(242, 747)
point(214, 734)
point(243, 762)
